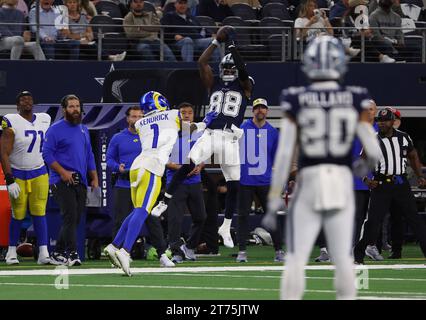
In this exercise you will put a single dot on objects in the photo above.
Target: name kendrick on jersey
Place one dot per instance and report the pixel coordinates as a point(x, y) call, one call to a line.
point(326, 98)
point(158, 117)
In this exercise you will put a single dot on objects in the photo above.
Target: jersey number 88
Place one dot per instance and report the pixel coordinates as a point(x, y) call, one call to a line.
point(227, 103)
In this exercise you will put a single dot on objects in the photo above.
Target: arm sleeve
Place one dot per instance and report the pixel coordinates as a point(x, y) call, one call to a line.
point(112, 155)
point(49, 147)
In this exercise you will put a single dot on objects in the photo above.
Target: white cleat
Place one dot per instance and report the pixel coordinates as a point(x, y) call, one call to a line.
point(110, 252)
point(226, 236)
point(124, 260)
point(45, 260)
point(11, 260)
point(165, 261)
point(159, 209)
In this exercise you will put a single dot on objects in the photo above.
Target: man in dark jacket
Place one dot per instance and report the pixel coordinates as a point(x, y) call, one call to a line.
point(186, 33)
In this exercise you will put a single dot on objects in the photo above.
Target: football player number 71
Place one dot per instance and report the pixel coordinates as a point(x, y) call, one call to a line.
point(227, 103)
point(33, 133)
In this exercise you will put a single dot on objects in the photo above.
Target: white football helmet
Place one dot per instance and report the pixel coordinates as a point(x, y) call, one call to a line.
point(227, 70)
point(324, 59)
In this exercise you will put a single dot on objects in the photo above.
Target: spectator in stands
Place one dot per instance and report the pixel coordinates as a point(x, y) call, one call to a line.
point(396, 7)
point(355, 31)
point(78, 22)
point(52, 34)
point(339, 9)
point(252, 3)
point(216, 9)
point(186, 36)
point(311, 22)
point(148, 43)
point(192, 6)
point(14, 37)
point(89, 9)
point(22, 6)
point(391, 41)
point(189, 193)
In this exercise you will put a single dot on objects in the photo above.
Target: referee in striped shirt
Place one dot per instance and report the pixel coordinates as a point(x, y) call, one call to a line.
point(390, 187)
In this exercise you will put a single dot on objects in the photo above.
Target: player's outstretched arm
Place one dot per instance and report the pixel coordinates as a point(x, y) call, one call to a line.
point(206, 73)
point(243, 75)
point(282, 165)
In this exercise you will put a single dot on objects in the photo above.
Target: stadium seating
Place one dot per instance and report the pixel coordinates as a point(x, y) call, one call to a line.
point(276, 10)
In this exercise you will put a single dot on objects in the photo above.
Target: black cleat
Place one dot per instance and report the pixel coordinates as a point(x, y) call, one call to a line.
point(74, 259)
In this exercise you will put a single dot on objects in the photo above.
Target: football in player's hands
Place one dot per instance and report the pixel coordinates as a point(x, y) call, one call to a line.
point(225, 33)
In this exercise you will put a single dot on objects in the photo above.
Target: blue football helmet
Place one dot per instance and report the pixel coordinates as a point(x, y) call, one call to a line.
point(228, 72)
point(324, 59)
point(153, 101)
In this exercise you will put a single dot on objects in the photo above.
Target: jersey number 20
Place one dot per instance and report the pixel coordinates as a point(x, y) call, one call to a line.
point(327, 133)
point(227, 103)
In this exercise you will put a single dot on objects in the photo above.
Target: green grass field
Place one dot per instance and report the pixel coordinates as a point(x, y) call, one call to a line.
point(212, 277)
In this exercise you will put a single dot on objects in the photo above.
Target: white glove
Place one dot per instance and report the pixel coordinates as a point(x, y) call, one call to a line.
point(14, 190)
point(270, 219)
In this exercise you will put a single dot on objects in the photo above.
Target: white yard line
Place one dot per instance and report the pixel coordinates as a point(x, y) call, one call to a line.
point(78, 271)
point(127, 286)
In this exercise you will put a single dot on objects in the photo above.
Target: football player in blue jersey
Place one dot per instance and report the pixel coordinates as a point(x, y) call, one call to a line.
point(323, 119)
point(229, 95)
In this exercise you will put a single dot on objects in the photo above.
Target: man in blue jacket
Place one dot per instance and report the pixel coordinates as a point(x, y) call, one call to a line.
point(188, 37)
point(68, 153)
point(261, 141)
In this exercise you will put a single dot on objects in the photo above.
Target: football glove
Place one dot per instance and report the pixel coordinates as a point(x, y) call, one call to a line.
point(210, 116)
point(14, 190)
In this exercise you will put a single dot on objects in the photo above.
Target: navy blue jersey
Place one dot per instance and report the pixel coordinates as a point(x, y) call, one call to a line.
point(228, 99)
point(326, 115)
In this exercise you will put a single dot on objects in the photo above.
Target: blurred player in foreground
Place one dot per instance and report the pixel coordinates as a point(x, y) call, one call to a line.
point(323, 118)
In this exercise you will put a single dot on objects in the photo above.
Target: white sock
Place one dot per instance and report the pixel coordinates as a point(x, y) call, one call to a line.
point(324, 249)
point(226, 223)
point(168, 195)
point(42, 251)
point(11, 251)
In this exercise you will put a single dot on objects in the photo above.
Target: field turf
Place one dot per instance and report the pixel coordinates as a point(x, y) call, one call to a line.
point(209, 278)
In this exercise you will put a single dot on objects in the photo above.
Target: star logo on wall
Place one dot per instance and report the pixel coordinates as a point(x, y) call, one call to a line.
point(116, 85)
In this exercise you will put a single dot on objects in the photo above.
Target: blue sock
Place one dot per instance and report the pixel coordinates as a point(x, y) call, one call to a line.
point(121, 234)
point(134, 227)
point(14, 231)
point(40, 228)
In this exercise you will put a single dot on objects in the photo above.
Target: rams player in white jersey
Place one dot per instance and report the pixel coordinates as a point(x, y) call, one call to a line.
point(158, 132)
point(323, 118)
point(25, 172)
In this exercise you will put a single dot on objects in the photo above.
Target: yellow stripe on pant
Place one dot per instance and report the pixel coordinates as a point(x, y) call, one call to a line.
point(145, 194)
point(33, 195)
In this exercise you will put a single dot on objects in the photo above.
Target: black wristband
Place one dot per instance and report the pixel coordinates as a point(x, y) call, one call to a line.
point(9, 178)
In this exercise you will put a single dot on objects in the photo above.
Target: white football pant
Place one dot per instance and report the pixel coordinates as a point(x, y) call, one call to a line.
point(319, 187)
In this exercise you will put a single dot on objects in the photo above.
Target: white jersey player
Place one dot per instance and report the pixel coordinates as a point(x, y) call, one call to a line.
point(323, 119)
point(158, 132)
point(25, 172)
